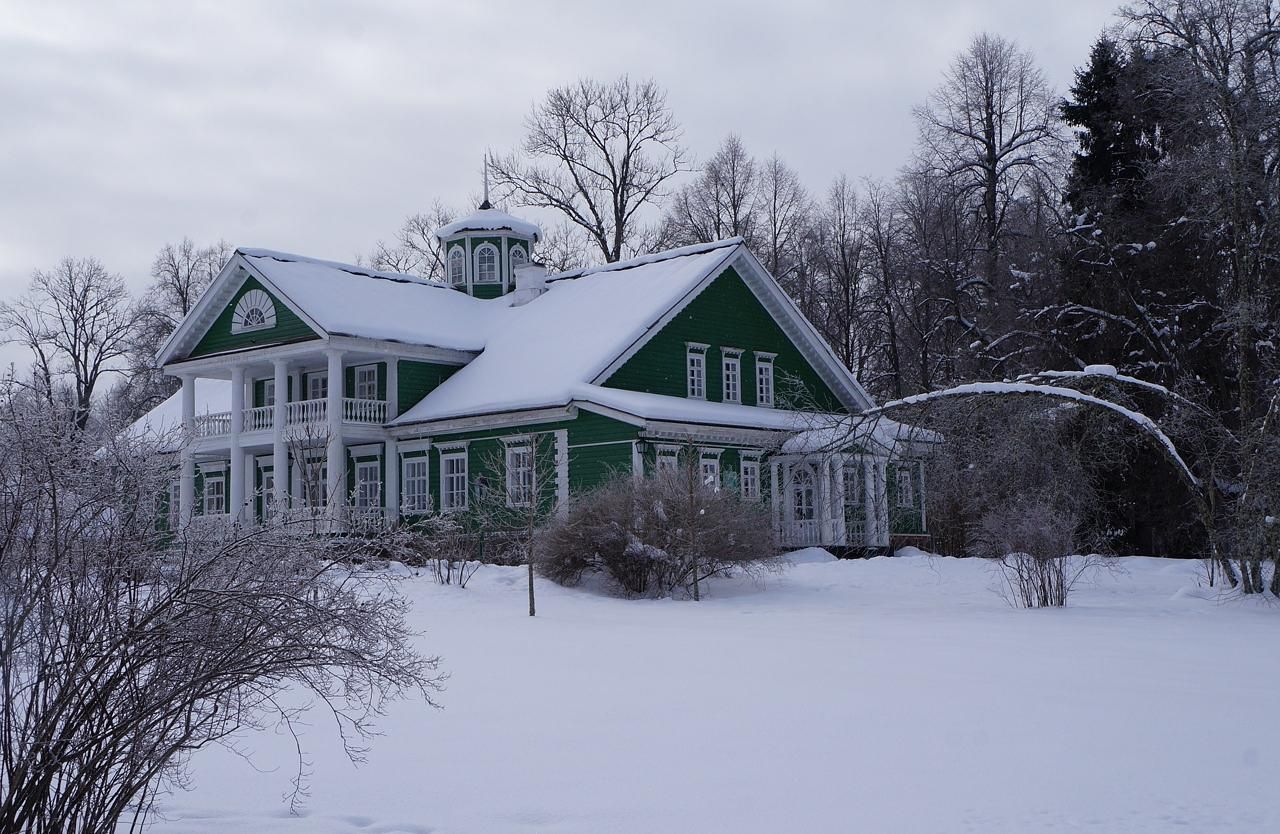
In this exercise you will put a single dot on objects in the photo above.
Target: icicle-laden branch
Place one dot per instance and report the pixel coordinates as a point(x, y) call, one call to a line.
point(1144, 423)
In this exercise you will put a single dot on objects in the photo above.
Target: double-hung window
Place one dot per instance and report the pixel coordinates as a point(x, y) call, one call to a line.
point(453, 481)
point(904, 484)
point(487, 264)
point(367, 382)
point(696, 362)
point(667, 459)
point(175, 504)
point(215, 495)
point(368, 486)
point(731, 374)
point(764, 379)
point(268, 392)
point(415, 486)
point(318, 385)
point(709, 468)
point(520, 474)
point(457, 266)
point(750, 480)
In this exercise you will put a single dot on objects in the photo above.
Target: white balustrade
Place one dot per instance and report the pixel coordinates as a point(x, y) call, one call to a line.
point(802, 533)
point(364, 411)
point(213, 425)
point(258, 419)
point(302, 412)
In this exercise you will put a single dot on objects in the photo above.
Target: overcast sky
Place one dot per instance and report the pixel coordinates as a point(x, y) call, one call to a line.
point(316, 126)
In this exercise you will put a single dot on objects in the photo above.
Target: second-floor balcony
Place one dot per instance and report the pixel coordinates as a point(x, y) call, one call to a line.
point(300, 413)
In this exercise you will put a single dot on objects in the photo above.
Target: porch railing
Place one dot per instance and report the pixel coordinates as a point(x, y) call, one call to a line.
point(801, 533)
point(260, 418)
point(299, 413)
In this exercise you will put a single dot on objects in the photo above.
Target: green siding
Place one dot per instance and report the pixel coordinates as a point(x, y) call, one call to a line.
point(417, 379)
point(725, 314)
point(220, 339)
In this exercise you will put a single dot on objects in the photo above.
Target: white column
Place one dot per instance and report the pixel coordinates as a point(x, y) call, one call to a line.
point(820, 471)
point(393, 388)
point(279, 451)
point(391, 487)
point(335, 458)
point(236, 506)
point(187, 482)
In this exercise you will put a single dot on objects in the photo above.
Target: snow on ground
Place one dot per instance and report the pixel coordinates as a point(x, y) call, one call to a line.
point(886, 695)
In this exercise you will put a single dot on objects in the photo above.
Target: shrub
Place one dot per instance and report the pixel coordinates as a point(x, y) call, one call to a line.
point(1031, 543)
point(656, 536)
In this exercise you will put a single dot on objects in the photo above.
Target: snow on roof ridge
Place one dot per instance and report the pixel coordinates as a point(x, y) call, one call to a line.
point(645, 260)
point(488, 220)
point(400, 277)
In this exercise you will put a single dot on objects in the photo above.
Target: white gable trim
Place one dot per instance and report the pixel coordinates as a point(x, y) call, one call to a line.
point(197, 323)
point(785, 314)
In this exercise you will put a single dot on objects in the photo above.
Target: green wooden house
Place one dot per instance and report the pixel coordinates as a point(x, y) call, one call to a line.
point(398, 394)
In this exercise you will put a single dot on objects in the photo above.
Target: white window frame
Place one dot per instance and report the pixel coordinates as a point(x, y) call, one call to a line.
point(175, 504)
point(731, 375)
point(749, 478)
point(361, 384)
point(368, 492)
point(482, 250)
point(449, 493)
point(666, 459)
point(457, 266)
point(804, 481)
point(709, 471)
point(523, 260)
point(268, 392)
point(221, 495)
point(854, 474)
point(695, 364)
point(906, 498)
point(314, 377)
point(415, 486)
point(520, 475)
point(267, 475)
point(765, 392)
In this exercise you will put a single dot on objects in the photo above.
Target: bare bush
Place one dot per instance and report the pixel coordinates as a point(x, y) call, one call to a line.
point(657, 536)
point(124, 649)
point(1032, 542)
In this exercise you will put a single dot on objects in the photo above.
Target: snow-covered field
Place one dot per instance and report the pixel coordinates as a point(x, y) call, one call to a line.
point(888, 695)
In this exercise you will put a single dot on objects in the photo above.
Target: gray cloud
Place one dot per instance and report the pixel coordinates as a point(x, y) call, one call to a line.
point(317, 126)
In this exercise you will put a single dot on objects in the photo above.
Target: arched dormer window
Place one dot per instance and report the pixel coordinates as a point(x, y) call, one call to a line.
point(519, 258)
point(457, 266)
point(487, 264)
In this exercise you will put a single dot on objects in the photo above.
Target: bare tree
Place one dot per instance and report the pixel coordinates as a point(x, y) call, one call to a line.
point(990, 126)
point(416, 251)
point(77, 321)
point(722, 202)
point(180, 274)
point(124, 648)
point(598, 153)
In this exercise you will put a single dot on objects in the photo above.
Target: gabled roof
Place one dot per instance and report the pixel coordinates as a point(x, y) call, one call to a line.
point(539, 353)
point(489, 220)
point(336, 299)
point(558, 348)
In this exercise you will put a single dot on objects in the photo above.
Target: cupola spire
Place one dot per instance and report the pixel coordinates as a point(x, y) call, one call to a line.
point(486, 204)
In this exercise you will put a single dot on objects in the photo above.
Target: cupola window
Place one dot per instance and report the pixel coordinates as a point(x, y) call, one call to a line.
point(457, 266)
point(519, 258)
point(487, 264)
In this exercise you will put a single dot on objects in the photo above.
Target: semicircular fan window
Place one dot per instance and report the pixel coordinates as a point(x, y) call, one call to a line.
point(254, 311)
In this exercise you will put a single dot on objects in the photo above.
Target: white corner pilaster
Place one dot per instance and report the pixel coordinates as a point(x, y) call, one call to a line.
point(393, 388)
point(391, 489)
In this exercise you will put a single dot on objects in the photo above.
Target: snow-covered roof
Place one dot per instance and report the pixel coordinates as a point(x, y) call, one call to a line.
point(351, 301)
point(703, 412)
point(832, 433)
point(163, 423)
point(489, 220)
point(538, 354)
